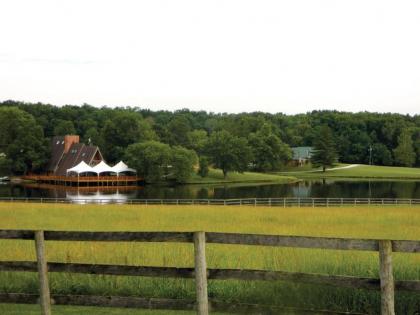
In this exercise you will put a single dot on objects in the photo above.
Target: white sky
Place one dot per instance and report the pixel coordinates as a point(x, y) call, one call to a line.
point(217, 55)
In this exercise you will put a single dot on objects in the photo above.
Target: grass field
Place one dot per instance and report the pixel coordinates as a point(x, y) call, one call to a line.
point(362, 171)
point(216, 176)
point(359, 222)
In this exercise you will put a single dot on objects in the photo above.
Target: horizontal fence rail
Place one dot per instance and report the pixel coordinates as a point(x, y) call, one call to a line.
point(271, 202)
point(385, 283)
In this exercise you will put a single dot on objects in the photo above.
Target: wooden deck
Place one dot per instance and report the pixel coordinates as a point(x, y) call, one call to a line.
point(86, 180)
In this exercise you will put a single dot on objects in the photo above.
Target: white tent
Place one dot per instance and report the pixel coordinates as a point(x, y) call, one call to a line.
point(121, 167)
point(102, 167)
point(82, 167)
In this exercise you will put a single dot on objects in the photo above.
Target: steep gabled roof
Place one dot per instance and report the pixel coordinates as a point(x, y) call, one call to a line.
point(69, 159)
point(77, 153)
point(57, 151)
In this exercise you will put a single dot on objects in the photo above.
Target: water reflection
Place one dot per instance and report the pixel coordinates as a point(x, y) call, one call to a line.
point(308, 188)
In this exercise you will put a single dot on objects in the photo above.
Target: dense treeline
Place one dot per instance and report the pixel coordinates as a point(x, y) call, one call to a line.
point(232, 142)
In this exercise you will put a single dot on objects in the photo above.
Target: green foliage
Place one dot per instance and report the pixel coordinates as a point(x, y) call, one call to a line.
point(178, 129)
point(150, 159)
point(381, 155)
point(122, 129)
point(404, 153)
point(22, 140)
point(157, 162)
point(324, 149)
point(269, 152)
point(197, 140)
point(5, 166)
point(228, 152)
point(203, 167)
point(182, 163)
point(114, 129)
point(64, 127)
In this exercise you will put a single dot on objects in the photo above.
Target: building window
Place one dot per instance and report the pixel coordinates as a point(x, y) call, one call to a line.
point(62, 142)
point(74, 151)
point(58, 142)
point(83, 154)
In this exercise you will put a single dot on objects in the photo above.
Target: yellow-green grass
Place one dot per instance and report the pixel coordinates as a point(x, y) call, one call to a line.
point(19, 309)
point(365, 171)
point(356, 222)
point(216, 176)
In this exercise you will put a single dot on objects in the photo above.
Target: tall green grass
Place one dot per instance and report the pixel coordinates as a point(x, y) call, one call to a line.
point(360, 222)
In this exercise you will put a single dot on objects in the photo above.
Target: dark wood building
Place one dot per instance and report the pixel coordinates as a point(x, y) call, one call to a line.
point(67, 152)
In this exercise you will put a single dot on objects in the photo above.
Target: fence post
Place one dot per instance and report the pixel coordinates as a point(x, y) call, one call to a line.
point(44, 290)
point(201, 273)
point(386, 277)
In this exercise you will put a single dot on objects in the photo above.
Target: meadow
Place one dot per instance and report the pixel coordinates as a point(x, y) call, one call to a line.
point(358, 171)
point(216, 176)
point(389, 222)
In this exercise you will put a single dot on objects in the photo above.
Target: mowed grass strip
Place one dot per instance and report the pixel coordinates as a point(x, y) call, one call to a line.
point(216, 176)
point(389, 222)
point(364, 171)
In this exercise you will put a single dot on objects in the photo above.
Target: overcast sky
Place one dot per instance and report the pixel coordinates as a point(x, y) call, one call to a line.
point(222, 56)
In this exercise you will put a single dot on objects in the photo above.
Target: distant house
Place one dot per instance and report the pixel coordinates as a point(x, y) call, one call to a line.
point(301, 155)
point(67, 152)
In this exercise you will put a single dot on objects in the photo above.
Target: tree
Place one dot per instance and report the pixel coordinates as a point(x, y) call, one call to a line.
point(197, 140)
point(228, 152)
point(64, 127)
point(122, 129)
point(178, 129)
point(324, 149)
point(269, 152)
point(381, 155)
point(22, 140)
point(203, 166)
point(150, 159)
point(182, 163)
point(404, 153)
point(5, 165)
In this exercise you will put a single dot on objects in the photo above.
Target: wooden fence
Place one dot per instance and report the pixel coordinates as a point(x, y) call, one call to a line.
point(270, 202)
point(200, 272)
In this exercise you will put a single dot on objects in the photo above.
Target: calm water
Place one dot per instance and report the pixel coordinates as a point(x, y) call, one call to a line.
point(308, 188)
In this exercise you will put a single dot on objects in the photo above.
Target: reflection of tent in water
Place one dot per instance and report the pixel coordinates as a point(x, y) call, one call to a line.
point(98, 197)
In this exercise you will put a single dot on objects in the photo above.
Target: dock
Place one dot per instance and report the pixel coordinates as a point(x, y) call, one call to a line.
point(86, 181)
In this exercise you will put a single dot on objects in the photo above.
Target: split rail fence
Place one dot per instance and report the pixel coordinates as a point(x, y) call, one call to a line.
point(274, 202)
point(385, 283)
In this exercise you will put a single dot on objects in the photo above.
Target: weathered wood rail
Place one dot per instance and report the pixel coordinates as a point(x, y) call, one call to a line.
point(270, 202)
point(385, 283)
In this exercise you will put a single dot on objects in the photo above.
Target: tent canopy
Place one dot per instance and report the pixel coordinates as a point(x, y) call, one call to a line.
point(82, 167)
point(102, 167)
point(121, 167)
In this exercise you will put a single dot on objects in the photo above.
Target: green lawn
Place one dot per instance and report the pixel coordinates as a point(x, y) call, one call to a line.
point(390, 222)
point(362, 171)
point(216, 176)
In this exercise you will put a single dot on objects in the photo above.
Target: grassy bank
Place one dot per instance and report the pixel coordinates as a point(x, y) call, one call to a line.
point(359, 171)
point(215, 176)
point(363, 222)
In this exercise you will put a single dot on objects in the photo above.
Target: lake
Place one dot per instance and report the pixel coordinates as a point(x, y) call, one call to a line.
point(328, 188)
